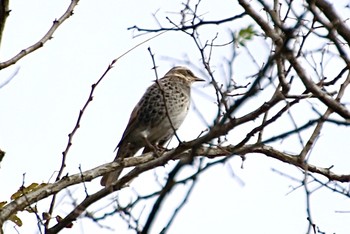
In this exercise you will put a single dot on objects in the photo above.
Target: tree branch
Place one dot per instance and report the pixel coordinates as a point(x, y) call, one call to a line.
point(147, 162)
point(44, 39)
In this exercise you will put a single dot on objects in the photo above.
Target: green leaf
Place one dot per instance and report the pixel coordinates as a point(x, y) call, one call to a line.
point(2, 204)
point(244, 35)
point(14, 218)
point(25, 190)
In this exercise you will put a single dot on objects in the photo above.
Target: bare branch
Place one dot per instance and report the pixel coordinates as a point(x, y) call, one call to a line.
point(44, 39)
point(192, 26)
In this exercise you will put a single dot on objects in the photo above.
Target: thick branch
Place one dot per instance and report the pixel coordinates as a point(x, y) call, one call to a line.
point(161, 198)
point(203, 151)
point(261, 22)
point(146, 162)
point(316, 90)
point(333, 17)
point(65, 182)
point(294, 160)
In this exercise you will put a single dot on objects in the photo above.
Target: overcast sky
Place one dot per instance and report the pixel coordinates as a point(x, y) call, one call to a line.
point(39, 107)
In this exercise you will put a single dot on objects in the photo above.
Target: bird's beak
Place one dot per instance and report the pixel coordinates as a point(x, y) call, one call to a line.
point(198, 79)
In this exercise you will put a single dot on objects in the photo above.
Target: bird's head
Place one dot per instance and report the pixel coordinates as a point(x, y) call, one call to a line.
point(183, 73)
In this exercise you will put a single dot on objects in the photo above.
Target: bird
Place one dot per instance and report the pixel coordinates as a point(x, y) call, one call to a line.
point(156, 117)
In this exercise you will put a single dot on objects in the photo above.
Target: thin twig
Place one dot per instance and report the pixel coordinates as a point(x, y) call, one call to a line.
point(48, 36)
point(163, 96)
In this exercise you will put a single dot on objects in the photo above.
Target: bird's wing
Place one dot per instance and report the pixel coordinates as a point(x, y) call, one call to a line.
point(131, 124)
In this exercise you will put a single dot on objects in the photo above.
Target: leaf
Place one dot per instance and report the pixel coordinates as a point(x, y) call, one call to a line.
point(2, 204)
point(25, 190)
point(244, 35)
point(14, 218)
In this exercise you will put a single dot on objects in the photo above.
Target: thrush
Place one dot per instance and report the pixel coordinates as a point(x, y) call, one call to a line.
point(156, 117)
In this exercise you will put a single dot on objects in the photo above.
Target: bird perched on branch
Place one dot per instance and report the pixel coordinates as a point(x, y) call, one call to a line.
point(156, 117)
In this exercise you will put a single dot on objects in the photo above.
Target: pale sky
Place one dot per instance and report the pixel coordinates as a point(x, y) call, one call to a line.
point(39, 108)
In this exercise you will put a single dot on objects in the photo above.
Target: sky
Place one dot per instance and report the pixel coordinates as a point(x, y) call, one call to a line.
point(40, 105)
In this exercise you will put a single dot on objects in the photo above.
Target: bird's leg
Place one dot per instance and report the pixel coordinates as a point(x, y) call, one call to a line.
point(160, 148)
point(150, 147)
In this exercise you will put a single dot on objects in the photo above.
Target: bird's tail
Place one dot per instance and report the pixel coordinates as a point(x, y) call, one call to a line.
point(124, 151)
point(110, 177)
